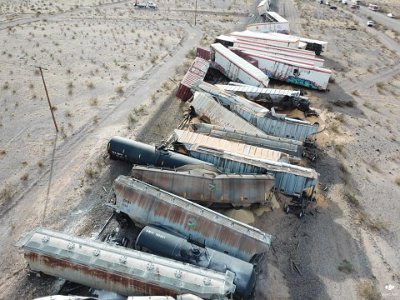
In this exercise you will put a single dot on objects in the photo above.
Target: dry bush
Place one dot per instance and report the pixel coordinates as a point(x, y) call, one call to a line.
point(7, 193)
point(346, 267)
point(94, 101)
point(120, 90)
point(368, 291)
point(25, 177)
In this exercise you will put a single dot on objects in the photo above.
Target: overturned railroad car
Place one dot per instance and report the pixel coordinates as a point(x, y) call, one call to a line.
point(209, 187)
point(121, 270)
point(168, 245)
point(145, 204)
point(290, 179)
point(291, 147)
point(144, 154)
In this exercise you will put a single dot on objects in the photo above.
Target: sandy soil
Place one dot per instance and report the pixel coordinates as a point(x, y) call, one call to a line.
point(110, 70)
point(344, 248)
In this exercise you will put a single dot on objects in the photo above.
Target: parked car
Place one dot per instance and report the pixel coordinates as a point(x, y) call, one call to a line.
point(370, 23)
point(333, 7)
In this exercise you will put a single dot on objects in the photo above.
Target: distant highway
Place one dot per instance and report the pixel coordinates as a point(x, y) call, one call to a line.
point(381, 18)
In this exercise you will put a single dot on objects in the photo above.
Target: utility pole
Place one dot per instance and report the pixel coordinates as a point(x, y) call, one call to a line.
point(195, 14)
point(48, 99)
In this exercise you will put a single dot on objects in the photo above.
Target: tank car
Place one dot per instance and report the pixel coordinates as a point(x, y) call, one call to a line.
point(168, 245)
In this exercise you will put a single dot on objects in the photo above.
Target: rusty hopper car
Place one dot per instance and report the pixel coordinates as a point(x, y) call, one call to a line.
point(209, 187)
point(144, 154)
point(162, 243)
point(145, 204)
point(124, 271)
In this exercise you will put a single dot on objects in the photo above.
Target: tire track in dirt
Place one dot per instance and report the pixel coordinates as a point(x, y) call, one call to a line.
point(53, 16)
point(77, 150)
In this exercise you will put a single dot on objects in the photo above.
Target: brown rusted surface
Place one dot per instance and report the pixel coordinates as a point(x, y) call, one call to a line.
point(148, 205)
point(203, 186)
point(203, 53)
point(196, 73)
point(97, 278)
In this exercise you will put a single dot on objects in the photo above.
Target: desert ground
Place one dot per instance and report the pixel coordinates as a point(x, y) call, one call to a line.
point(112, 70)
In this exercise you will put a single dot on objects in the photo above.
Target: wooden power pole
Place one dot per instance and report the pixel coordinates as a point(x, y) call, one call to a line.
point(48, 98)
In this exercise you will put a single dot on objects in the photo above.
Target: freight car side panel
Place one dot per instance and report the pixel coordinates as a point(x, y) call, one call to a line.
point(238, 190)
point(148, 205)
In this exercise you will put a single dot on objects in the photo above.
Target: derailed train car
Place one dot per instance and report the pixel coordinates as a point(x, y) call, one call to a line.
point(121, 270)
point(290, 179)
point(145, 204)
point(144, 154)
point(289, 146)
point(168, 245)
point(209, 187)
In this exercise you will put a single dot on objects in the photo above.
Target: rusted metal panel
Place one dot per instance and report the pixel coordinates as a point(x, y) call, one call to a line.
point(148, 205)
point(289, 179)
point(192, 138)
point(203, 53)
point(205, 105)
point(121, 270)
point(291, 147)
point(196, 73)
point(204, 186)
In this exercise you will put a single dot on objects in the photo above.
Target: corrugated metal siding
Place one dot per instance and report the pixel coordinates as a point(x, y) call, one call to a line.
point(257, 90)
point(293, 180)
point(227, 99)
point(291, 147)
point(124, 271)
point(192, 138)
point(205, 105)
point(148, 205)
point(193, 76)
point(203, 186)
point(277, 126)
point(239, 63)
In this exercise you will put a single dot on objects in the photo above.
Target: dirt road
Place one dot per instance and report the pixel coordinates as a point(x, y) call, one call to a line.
point(44, 202)
point(381, 18)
